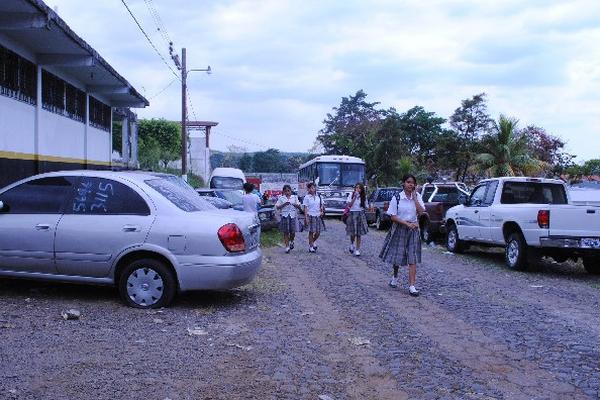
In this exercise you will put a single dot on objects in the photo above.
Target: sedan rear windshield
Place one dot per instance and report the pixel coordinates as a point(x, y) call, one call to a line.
point(183, 198)
point(533, 193)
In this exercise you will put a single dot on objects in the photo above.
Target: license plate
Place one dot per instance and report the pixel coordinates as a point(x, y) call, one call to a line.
point(590, 243)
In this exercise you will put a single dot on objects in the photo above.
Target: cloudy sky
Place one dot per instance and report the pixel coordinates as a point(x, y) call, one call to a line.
point(280, 66)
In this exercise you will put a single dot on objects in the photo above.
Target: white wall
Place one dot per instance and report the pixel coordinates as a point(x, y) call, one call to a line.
point(61, 136)
point(17, 126)
point(99, 145)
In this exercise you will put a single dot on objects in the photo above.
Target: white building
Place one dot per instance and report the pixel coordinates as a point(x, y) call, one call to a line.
point(57, 96)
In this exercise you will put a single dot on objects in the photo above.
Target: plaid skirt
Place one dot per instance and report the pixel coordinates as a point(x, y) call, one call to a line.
point(315, 224)
point(402, 246)
point(356, 224)
point(287, 225)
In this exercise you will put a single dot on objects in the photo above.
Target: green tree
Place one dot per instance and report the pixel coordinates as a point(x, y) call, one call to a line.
point(591, 167)
point(245, 163)
point(421, 131)
point(385, 163)
point(548, 149)
point(506, 151)
point(117, 136)
point(159, 137)
point(350, 128)
point(469, 122)
point(267, 161)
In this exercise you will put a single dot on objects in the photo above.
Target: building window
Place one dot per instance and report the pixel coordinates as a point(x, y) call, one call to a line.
point(53, 93)
point(75, 103)
point(62, 98)
point(18, 77)
point(100, 114)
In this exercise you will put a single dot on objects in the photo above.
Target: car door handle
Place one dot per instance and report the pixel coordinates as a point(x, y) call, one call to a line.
point(42, 227)
point(131, 228)
point(476, 211)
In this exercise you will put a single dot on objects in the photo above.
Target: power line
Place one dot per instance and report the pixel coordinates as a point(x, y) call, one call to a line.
point(162, 90)
point(148, 39)
point(160, 27)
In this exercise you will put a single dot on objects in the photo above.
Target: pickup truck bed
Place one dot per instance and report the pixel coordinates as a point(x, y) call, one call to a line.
point(531, 218)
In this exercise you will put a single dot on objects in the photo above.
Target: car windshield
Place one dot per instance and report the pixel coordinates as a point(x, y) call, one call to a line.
point(386, 194)
point(223, 182)
point(233, 196)
point(179, 195)
point(340, 174)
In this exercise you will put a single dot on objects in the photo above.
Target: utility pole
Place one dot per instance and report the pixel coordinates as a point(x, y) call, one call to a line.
point(183, 116)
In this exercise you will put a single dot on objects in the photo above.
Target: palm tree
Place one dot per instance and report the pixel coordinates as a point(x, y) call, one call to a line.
point(506, 151)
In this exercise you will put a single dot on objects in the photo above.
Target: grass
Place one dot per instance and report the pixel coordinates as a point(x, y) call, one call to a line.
point(271, 238)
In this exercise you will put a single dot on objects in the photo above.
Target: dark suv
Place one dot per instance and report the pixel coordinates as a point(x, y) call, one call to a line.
point(380, 201)
point(438, 198)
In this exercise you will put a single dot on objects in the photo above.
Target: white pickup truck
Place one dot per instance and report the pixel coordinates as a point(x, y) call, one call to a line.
point(531, 218)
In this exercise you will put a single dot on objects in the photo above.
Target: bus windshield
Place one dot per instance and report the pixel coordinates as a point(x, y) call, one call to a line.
point(340, 174)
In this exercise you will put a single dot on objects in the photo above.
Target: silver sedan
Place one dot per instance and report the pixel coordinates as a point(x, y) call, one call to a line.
point(149, 234)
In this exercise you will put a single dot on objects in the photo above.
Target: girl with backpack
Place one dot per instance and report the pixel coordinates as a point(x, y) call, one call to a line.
point(402, 245)
point(356, 222)
point(313, 216)
point(288, 204)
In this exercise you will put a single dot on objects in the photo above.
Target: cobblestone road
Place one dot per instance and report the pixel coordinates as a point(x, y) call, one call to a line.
point(312, 325)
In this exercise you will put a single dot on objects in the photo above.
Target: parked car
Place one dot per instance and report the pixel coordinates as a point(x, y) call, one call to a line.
point(379, 200)
point(227, 178)
point(438, 197)
point(266, 214)
point(530, 218)
point(219, 202)
point(145, 233)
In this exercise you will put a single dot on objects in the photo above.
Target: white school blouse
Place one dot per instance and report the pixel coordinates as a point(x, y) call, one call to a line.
point(405, 208)
point(289, 210)
point(356, 206)
point(313, 205)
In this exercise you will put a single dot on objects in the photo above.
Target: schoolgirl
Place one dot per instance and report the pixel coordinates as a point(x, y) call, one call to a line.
point(313, 216)
point(356, 223)
point(288, 204)
point(402, 245)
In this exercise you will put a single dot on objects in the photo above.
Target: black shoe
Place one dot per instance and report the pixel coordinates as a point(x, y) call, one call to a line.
point(291, 245)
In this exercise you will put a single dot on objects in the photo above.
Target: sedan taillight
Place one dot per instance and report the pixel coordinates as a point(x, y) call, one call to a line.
point(232, 238)
point(543, 219)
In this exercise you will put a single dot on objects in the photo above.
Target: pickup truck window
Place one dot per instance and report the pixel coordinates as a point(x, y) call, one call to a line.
point(491, 192)
point(478, 195)
point(427, 192)
point(533, 193)
point(447, 194)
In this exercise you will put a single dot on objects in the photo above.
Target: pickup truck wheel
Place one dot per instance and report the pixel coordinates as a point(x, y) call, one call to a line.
point(426, 234)
point(147, 283)
point(592, 264)
point(453, 243)
point(378, 223)
point(515, 254)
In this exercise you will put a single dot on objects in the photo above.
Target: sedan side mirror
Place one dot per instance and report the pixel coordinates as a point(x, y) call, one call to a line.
point(463, 199)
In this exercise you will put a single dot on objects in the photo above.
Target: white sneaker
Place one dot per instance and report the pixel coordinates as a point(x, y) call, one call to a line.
point(413, 291)
point(357, 252)
point(311, 249)
point(292, 245)
point(351, 249)
point(394, 282)
point(287, 249)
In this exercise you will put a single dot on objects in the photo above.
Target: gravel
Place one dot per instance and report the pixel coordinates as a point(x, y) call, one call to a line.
point(312, 326)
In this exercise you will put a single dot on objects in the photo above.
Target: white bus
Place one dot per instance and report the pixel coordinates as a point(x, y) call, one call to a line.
point(335, 177)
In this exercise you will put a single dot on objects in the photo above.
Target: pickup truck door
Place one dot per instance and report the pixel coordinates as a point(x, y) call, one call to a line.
point(487, 219)
point(468, 223)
